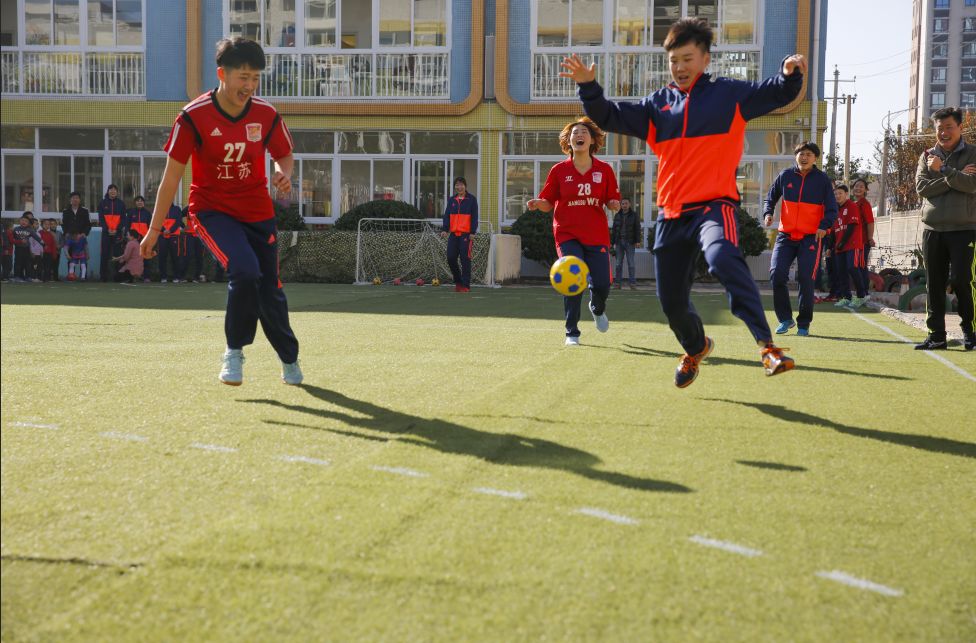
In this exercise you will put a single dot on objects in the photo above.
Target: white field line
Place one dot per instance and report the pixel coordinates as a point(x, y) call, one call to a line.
point(212, 447)
point(859, 583)
point(726, 546)
point(401, 471)
point(932, 354)
point(131, 437)
point(606, 515)
point(305, 459)
point(32, 425)
point(514, 495)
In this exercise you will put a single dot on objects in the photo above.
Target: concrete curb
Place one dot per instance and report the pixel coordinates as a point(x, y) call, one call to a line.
point(917, 320)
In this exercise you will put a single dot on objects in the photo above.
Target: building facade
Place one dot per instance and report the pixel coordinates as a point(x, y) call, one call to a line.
point(943, 64)
point(386, 99)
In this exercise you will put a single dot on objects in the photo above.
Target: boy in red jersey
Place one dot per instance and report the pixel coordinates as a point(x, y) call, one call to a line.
point(579, 188)
point(227, 131)
point(698, 151)
point(849, 251)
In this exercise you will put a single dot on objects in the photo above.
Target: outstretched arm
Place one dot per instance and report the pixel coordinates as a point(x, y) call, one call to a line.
point(620, 117)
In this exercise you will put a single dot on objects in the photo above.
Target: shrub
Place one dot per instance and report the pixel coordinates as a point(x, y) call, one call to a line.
point(377, 210)
point(538, 244)
point(752, 241)
point(287, 218)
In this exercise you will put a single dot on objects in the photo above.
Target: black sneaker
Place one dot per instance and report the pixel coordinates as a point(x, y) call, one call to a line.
point(687, 369)
point(969, 341)
point(932, 345)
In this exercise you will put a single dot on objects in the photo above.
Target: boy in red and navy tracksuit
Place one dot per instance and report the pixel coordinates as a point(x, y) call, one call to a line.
point(169, 246)
point(460, 225)
point(849, 251)
point(228, 133)
point(138, 219)
point(696, 127)
point(809, 210)
point(111, 218)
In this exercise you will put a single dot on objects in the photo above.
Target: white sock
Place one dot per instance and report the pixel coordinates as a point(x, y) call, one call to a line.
point(71, 268)
point(84, 271)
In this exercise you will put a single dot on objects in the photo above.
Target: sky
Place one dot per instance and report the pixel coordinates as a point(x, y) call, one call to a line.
point(869, 40)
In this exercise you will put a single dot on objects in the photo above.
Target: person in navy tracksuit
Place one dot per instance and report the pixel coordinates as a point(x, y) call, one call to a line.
point(460, 225)
point(170, 261)
point(809, 209)
point(137, 219)
point(111, 218)
point(696, 127)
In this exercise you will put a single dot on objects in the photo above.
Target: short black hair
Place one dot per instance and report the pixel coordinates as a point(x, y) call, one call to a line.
point(140, 198)
point(807, 145)
point(841, 186)
point(460, 180)
point(234, 53)
point(948, 112)
point(687, 30)
point(75, 193)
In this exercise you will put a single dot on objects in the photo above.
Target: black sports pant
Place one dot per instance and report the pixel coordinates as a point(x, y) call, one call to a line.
point(949, 260)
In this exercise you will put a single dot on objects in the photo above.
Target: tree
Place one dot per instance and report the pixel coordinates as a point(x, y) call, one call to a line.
point(833, 167)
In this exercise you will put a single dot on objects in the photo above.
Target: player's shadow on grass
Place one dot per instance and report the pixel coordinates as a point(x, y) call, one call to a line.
point(447, 437)
point(653, 352)
point(859, 340)
point(924, 442)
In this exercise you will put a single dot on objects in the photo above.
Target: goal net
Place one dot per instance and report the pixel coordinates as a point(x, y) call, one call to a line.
point(411, 249)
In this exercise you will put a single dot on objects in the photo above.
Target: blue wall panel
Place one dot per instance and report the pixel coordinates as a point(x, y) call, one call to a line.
point(461, 50)
point(519, 51)
point(166, 51)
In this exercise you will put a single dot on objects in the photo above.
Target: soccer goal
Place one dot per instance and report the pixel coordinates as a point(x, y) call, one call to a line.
point(411, 249)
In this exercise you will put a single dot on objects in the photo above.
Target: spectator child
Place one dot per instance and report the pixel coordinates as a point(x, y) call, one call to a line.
point(130, 262)
point(21, 235)
point(77, 246)
point(8, 250)
point(49, 258)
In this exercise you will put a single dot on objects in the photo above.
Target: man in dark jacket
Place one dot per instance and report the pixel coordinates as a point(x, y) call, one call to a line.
point(625, 237)
point(75, 218)
point(946, 181)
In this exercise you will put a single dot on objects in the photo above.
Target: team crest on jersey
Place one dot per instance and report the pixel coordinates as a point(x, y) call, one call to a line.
point(598, 177)
point(253, 132)
point(569, 179)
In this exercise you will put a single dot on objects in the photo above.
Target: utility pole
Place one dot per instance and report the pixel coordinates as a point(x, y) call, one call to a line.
point(833, 119)
point(849, 101)
point(882, 206)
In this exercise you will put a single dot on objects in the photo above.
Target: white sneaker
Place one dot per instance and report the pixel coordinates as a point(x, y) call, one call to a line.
point(291, 373)
point(572, 341)
point(602, 323)
point(232, 372)
point(162, 281)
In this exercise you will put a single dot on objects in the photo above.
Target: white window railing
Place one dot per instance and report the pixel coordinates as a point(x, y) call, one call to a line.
point(630, 75)
point(367, 75)
point(54, 73)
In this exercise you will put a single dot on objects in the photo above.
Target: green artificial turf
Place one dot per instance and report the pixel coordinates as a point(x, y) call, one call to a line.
point(143, 500)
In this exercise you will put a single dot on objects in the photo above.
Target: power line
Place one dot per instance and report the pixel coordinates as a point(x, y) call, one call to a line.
point(869, 62)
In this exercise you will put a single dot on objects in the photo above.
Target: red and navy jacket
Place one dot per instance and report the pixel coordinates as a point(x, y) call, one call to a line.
point(698, 135)
point(808, 202)
point(138, 219)
point(111, 214)
point(173, 223)
point(461, 215)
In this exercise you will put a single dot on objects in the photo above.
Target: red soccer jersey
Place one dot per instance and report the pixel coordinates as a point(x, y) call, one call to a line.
point(579, 200)
point(229, 155)
point(848, 215)
point(867, 216)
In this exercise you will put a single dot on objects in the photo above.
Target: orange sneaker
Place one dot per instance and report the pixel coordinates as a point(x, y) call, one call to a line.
point(687, 369)
point(774, 361)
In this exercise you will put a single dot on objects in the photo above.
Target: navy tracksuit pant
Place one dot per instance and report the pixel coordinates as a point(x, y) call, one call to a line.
point(711, 228)
point(249, 252)
point(459, 248)
point(806, 253)
point(597, 259)
point(851, 267)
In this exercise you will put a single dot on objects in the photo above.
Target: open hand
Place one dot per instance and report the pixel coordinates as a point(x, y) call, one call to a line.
point(577, 70)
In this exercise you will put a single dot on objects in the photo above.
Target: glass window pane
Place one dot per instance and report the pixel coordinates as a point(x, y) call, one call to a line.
point(531, 144)
point(18, 183)
point(707, 9)
point(56, 179)
point(666, 13)
point(148, 139)
point(587, 22)
point(629, 20)
point(372, 142)
point(313, 142)
point(100, 24)
point(357, 24)
point(468, 168)
point(65, 138)
point(441, 142)
point(17, 137)
point(519, 186)
point(316, 188)
point(388, 181)
point(430, 23)
point(553, 23)
point(320, 23)
point(128, 17)
point(630, 177)
point(9, 36)
point(747, 181)
point(153, 168)
point(431, 187)
point(127, 174)
point(87, 179)
point(394, 23)
point(37, 22)
point(354, 182)
point(245, 19)
point(66, 22)
point(738, 21)
point(279, 23)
